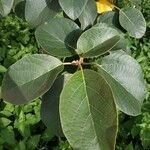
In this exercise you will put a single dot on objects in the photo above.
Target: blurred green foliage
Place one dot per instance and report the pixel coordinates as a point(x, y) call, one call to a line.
point(16, 40)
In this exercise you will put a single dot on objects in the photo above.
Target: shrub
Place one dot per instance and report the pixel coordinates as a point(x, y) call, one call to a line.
point(94, 50)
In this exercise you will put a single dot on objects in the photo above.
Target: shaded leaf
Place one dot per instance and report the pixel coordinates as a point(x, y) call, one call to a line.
point(50, 106)
point(111, 18)
point(58, 37)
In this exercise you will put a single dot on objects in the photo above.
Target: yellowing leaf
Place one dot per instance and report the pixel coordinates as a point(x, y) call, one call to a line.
point(104, 5)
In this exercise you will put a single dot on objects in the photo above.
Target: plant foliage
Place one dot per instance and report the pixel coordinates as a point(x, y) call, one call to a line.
point(105, 78)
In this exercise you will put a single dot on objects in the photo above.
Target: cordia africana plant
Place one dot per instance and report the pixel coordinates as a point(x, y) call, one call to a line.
point(84, 73)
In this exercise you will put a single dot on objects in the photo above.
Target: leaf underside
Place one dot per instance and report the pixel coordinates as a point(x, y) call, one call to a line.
point(125, 77)
point(88, 113)
point(30, 77)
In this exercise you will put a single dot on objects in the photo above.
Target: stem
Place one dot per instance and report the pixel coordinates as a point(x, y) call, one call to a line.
point(117, 8)
point(67, 63)
point(87, 63)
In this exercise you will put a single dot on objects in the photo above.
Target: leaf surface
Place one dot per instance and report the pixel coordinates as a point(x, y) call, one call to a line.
point(50, 106)
point(5, 7)
point(39, 11)
point(73, 8)
point(58, 37)
point(88, 14)
point(132, 20)
point(88, 113)
point(30, 77)
point(125, 77)
point(97, 41)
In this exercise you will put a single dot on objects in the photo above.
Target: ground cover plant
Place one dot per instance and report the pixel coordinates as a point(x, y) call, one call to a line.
point(97, 50)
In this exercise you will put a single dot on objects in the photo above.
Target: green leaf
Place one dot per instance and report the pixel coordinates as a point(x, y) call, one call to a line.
point(33, 142)
point(132, 20)
point(129, 147)
point(39, 11)
point(8, 136)
point(58, 37)
point(5, 7)
point(30, 77)
point(121, 44)
point(125, 77)
point(2, 69)
point(4, 122)
point(111, 18)
point(88, 113)
point(19, 8)
point(73, 8)
point(88, 14)
point(16, 2)
point(97, 41)
point(145, 135)
point(50, 106)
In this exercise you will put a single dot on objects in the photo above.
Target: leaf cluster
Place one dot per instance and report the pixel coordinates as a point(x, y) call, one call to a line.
point(86, 102)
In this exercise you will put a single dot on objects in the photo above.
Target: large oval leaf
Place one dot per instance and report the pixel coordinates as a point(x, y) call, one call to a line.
point(5, 7)
point(125, 77)
point(88, 113)
point(50, 106)
point(39, 11)
point(88, 14)
point(73, 8)
point(58, 37)
point(97, 41)
point(132, 20)
point(30, 77)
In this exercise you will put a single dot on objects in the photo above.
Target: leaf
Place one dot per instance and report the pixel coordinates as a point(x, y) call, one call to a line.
point(50, 106)
point(122, 42)
point(33, 142)
point(8, 136)
point(39, 11)
point(125, 77)
point(16, 2)
point(30, 77)
point(19, 8)
point(58, 37)
point(97, 41)
point(88, 14)
point(111, 18)
point(73, 8)
point(5, 7)
point(132, 20)
point(88, 113)
point(4, 122)
point(2, 69)
point(104, 6)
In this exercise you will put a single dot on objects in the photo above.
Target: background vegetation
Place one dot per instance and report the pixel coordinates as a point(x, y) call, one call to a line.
point(21, 127)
